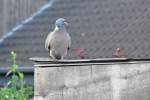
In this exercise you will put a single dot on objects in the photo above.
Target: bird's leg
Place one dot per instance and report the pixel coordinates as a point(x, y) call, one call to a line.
point(50, 55)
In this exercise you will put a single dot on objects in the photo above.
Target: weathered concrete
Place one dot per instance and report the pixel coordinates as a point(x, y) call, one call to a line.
point(128, 81)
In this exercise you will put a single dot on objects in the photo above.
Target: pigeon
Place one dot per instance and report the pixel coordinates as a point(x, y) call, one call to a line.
point(58, 41)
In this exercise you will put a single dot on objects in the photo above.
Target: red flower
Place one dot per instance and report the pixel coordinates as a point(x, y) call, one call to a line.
point(118, 52)
point(80, 52)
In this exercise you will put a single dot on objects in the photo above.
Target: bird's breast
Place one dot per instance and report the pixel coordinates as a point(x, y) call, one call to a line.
point(60, 42)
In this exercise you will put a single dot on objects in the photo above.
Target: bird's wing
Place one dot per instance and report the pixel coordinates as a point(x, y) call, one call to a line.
point(69, 42)
point(47, 41)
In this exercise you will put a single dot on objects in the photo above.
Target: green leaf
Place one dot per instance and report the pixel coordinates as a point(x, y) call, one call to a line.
point(13, 55)
point(16, 88)
point(21, 76)
point(15, 78)
point(20, 97)
point(13, 90)
point(14, 68)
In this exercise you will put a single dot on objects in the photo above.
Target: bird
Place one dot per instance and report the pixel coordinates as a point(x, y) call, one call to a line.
point(58, 41)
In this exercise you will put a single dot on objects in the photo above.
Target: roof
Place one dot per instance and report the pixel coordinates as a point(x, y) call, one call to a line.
point(98, 26)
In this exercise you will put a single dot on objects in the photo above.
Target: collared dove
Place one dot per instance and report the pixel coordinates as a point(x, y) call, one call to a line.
point(58, 42)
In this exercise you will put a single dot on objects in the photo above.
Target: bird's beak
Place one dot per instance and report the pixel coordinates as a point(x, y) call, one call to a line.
point(66, 23)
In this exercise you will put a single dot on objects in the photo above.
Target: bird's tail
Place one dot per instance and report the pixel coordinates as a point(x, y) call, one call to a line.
point(57, 56)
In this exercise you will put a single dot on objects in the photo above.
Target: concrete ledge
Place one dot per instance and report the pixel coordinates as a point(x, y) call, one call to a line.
point(47, 62)
point(128, 80)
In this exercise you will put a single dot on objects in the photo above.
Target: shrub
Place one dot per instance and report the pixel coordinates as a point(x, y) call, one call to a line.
point(16, 88)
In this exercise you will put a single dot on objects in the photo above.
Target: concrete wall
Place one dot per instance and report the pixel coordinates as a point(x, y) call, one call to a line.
point(129, 81)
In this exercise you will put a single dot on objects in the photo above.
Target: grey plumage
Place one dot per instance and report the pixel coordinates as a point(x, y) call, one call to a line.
point(58, 41)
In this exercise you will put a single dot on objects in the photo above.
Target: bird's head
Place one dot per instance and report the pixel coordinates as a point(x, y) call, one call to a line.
point(61, 23)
